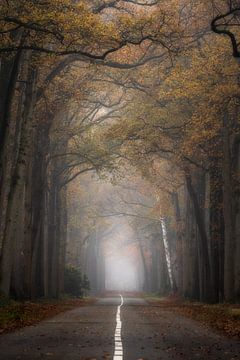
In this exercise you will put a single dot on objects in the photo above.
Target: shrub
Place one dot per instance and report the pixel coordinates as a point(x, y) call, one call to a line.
point(75, 283)
point(4, 301)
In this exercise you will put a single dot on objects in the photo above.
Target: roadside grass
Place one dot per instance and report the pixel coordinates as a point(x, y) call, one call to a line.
point(224, 318)
point(15, 315)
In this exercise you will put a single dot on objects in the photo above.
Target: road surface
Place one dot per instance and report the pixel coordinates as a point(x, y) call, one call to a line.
point(146, 332)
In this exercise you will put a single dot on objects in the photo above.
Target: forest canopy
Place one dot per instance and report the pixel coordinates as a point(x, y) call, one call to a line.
point(119, 141)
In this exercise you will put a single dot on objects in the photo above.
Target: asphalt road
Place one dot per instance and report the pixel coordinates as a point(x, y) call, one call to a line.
point(147, 333)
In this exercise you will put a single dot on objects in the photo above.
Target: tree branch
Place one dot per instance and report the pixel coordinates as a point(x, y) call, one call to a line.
point(224, 31)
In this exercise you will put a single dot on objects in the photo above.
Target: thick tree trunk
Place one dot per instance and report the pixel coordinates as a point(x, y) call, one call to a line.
point(13, 235)
point(22, 228)
point(6, 65)
point(164, 286)
point(229, 216)
point(236, 171)
point(204, 259)
point(190, 253)
point(154, 265)
point(53, 240)
point(39, 267)
point(45, 245)
point(216, 229)
point(168, 256)
point(62, 234)
point(10, 127)
point(7, 101)
point(179, 245)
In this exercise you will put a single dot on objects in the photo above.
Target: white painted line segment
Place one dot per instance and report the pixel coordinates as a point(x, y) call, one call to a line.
point(118, 349)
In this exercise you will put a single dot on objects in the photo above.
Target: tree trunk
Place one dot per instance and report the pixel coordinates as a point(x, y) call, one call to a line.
point(7, 103)
point(179, 245)
point(10, 128)
point(53, 240)
point(216, 229)
point(154, 265)
point(190, 253)
point(13, 234)
point(204, 261)
point(62, 234)
point(39, 267)
point(168, 256)
point(236, 172)
point(229, 216)
point(145, 268)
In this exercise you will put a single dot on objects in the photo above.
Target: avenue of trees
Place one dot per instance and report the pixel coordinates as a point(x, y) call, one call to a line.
point(120, 110)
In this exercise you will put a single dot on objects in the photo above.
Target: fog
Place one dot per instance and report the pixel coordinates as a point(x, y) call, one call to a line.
point(122, 274)
point(123, 268)
point(114, 243)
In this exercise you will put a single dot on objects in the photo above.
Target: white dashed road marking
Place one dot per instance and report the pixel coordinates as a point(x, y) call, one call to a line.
point(118, 350)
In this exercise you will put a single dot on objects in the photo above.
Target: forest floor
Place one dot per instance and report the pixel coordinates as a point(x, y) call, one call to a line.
point(224, 318)
point(16, 315)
